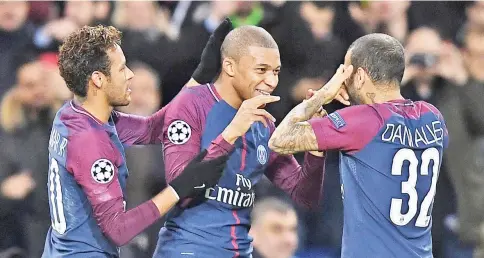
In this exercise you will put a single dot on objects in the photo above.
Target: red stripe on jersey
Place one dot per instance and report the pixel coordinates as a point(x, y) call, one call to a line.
point(232, 233)
point(234, 213)
point(243, 154)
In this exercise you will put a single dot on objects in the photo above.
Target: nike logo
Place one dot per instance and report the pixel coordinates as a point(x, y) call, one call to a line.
point(200, 186)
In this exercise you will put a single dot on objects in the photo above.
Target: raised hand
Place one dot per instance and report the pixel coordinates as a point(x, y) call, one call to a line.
point(210, 63)
point(248, 113)
point(342, 96)
point(334, 87)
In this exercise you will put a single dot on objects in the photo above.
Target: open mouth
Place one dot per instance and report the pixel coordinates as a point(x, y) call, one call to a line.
point(263, 92)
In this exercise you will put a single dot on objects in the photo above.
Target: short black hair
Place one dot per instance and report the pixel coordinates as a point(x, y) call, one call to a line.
point(238, 41)
point(83, 52)
point(382, 56)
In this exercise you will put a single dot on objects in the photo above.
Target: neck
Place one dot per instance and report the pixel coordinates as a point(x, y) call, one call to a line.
point(99, 109)
point(225, 89)
point(384, 96)
point(383, 93)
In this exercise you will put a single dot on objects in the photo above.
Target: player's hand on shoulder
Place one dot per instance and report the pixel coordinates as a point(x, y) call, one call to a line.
point(199, 175)
point(248, 113)
point(209, 64)
point(334, 87)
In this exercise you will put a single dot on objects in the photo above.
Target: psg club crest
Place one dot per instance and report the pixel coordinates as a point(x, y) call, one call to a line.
point(179, 132)
point(261, 154)
point(102, 170)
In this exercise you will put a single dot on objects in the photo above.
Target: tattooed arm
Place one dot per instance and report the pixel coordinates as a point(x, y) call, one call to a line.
point(348, 129)
point(295, 134)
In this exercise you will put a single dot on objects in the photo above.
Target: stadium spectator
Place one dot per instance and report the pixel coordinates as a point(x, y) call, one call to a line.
point(75, 15)
point(274, 229)
point(16, 46)
point(434, 70)
point(26, 111)
point(309, 52)
point(471, 187)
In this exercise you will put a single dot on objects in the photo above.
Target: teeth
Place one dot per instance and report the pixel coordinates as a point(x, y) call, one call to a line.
point(264, 92)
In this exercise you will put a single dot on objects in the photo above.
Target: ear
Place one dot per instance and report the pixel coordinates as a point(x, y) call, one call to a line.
point(228, 66)
point(360, 78)
point(98, 79)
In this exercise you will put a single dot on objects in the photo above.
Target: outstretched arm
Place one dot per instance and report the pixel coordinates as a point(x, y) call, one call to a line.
point(106, 197)
point(139, 130)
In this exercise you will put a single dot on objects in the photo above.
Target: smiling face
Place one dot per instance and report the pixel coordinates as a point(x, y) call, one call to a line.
point(31, 85)
point(250, 64)
point(257, 73)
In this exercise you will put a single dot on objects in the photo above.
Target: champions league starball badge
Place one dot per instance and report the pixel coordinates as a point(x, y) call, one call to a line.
point(102, 170)
point(179, 132)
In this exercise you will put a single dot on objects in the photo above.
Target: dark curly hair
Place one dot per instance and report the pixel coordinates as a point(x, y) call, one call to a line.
point(84, 52)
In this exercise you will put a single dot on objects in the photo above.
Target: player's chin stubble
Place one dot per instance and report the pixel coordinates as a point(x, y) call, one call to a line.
point(354, 98)
point(121, 102)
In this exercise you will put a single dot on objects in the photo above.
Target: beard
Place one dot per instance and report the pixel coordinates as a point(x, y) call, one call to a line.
point(354, 97)
point(117, 97)
point(120, 101)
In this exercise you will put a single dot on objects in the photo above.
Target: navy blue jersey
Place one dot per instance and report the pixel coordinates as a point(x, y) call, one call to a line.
point(390, 160)
point(219, 226)
point(87, 180)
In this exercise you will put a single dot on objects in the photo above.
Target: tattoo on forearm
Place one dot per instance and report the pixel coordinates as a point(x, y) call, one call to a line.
point(307, 108)
point(296, 138)
point(294, 134)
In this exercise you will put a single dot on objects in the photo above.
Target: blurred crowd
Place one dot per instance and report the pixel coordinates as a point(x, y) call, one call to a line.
point(163, 42)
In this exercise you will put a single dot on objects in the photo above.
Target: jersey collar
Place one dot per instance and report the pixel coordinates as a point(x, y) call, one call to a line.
point(214, 92)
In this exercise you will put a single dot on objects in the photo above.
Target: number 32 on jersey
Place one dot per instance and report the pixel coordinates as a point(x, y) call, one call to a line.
point(408, 187)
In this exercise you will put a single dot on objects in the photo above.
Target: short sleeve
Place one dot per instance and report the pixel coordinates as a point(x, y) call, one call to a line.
point(348, 129)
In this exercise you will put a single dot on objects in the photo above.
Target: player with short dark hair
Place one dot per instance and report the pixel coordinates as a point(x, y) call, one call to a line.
point(385, 65)
point(390, 151)
point(223, 117)
point(87, 166)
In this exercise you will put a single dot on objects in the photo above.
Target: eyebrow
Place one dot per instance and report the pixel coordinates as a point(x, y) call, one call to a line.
point(122, 65)
point(266, 65)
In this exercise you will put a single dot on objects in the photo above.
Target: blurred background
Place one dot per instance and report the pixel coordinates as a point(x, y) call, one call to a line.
point(163, 42)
